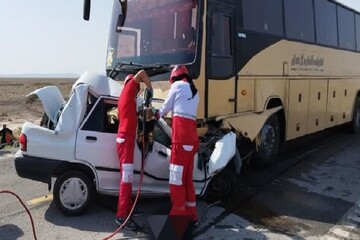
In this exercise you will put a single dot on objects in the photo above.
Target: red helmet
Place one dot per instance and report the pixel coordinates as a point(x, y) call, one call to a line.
point(128, 78)
point(177, 71)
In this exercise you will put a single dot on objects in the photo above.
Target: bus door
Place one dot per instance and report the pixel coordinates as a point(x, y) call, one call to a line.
point(220, 96)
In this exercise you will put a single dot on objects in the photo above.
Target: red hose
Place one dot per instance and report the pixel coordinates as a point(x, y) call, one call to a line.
point(121, 226)
point(27, 210)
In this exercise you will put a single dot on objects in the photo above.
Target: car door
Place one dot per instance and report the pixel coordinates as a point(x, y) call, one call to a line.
point(156, 177)
point(157, 161)
point(96, 146)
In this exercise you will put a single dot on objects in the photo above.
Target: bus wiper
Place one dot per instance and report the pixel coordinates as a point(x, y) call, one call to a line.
point(156, 69)
point(120, 68)
point(133, 68)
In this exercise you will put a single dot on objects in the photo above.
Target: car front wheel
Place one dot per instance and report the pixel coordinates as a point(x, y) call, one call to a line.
point(221, 185)
point(72, 193)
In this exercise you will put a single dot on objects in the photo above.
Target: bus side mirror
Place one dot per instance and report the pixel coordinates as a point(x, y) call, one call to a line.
point(86, 12)
point(120, 22)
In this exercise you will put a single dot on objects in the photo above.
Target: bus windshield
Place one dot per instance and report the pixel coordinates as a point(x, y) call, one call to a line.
point(154, 31)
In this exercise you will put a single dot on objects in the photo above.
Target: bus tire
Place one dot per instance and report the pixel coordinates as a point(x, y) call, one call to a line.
point(356, 116)
point(269, 136)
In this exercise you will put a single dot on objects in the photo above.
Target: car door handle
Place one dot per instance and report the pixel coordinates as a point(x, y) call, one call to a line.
point(161, 153)
point(91, 138)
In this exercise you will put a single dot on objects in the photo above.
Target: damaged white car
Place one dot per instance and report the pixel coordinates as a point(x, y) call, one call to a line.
point(75, 145)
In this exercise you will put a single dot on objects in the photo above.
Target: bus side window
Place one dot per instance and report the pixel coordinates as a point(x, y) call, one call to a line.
point(220, 35)
point(221, 57)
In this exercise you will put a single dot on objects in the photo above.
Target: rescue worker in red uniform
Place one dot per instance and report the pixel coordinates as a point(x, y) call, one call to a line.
point(125, 143)
point(183, 101)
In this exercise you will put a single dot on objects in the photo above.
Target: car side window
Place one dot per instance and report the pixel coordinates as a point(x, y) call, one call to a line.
point(161, 137)
point(111, 121)
point(103, 118)
point(91, 100)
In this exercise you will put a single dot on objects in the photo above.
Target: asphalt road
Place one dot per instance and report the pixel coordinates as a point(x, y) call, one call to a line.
point(311, 192)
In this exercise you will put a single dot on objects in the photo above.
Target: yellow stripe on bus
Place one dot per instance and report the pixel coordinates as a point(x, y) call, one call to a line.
point(42, 199)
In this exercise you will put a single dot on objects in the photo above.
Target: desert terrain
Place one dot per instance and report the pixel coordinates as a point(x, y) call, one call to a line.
point(14, 110)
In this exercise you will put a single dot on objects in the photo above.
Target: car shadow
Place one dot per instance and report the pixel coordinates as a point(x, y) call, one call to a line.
point(100, 216)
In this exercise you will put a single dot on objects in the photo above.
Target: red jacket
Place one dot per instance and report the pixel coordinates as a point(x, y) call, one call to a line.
point(127, 108)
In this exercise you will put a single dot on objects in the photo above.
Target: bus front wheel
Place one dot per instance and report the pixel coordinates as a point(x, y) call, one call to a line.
point(269, 141)
point(356, 116)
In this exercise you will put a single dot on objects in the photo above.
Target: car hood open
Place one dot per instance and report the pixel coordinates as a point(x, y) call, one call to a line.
point(51, 99)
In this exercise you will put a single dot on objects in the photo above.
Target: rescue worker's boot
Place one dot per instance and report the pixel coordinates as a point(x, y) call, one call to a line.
point(137, 212)
point(130, 224)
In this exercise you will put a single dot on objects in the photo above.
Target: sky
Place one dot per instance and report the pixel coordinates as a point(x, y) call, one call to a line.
point(51, 37)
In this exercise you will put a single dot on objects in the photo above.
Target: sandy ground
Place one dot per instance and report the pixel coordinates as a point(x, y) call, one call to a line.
point(14, 110)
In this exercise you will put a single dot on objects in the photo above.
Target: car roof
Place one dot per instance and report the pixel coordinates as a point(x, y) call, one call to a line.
point(99, 84)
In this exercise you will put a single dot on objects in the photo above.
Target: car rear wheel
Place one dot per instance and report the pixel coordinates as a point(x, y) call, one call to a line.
point(72, 193)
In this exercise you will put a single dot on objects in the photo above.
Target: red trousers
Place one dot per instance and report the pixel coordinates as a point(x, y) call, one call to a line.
point(182, 192)
point(125, 144)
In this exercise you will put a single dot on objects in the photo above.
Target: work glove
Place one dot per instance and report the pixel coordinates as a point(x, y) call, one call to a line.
point(150, 93)
point(148, 96)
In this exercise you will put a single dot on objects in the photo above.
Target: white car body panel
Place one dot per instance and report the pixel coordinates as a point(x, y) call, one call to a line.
point(73, 112)
point(44, 143)
point(223, 152)
point(52, 107)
